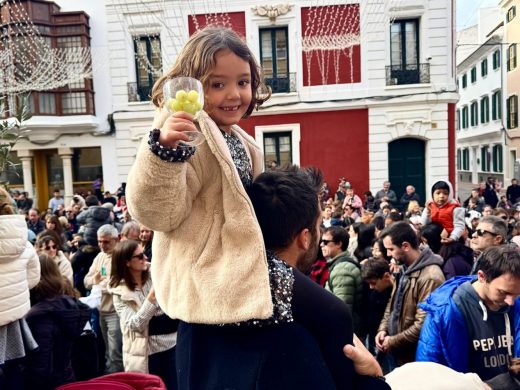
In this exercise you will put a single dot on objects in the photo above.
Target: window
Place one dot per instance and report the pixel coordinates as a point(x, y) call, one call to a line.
point(484, 109)
point(485, 158)
point(473, 75)
point(457, 123)
point(404, 49)
point(512, 112)
point(147, 63)
point(496, 105)
point(497, 158)
point(277, 147)
point(511, 13)
point(464, 80)
point(483, 68)
point(74, 103)
point(465, 159)
point(474, 114)
point(511, 57)
point(496, 59)
point(274, 55)
point(465, 117)
point(459, 159)
point(46, 103)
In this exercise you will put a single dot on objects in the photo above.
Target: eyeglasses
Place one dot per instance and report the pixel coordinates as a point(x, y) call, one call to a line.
point(49, 247)
point(481, 232)
point(140, 256)
point(325, 242)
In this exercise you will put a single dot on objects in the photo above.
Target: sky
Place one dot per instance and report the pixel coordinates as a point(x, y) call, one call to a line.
point(467, 11)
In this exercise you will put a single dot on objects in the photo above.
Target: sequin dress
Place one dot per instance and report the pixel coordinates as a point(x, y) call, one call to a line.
point(240, 158)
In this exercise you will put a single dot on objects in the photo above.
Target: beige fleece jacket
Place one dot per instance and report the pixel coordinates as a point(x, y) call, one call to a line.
point(209, 264)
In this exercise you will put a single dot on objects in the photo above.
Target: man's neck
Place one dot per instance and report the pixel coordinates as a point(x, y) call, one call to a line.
point(411, 257)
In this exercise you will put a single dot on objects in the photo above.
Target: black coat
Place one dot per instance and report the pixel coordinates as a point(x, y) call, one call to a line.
point(55, 324)
point(93, 218)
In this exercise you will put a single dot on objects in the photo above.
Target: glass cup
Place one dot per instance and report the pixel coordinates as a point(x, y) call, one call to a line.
point(185, 94)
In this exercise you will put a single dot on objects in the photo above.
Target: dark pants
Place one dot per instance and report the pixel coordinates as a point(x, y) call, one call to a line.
point(162, 364)
point(13, 375)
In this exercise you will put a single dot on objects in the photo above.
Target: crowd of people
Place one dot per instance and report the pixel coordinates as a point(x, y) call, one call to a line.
point(254, 284)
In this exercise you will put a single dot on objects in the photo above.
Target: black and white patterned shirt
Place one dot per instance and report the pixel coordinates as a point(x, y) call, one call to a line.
point(240, 158)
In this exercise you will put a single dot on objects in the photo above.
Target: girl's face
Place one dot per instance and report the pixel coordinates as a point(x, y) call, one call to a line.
point(228, 93)
point(138, 260)
point(440, 197)
point(50, 225)
point(375, 251)
point(50, 249)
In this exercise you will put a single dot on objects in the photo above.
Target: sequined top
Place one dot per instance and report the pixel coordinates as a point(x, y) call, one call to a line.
point(281, 281)
point(240, 158)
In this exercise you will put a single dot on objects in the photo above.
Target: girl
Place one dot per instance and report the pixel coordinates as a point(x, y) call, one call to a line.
point(49, 246)
point(213, 266)
point(147, 346)
point(56, 320)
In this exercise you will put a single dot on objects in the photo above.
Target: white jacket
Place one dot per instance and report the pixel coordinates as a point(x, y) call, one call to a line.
point(19, 268)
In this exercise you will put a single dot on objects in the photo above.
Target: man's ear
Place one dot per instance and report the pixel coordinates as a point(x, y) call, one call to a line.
point(303, 239)
point(481, 276)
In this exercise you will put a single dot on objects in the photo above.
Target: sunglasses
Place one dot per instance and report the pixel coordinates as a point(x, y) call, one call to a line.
point(49, 247)
point(481, 232)
point(140, 256)
point(325, 242)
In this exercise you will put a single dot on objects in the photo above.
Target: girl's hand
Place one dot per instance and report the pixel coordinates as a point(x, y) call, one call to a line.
point(173, 128)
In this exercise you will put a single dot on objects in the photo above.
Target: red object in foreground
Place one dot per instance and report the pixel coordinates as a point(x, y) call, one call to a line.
point(119, 381)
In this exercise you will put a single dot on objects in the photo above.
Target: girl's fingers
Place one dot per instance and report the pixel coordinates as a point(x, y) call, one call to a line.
point(171, 138)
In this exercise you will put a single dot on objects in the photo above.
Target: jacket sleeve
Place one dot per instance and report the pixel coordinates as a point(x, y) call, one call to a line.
point(159, 193)
point(358, 203)
point(425, 217)
point(88, 281)
point(429, 348)
point(411, 334)
point(41, 361)
point(342, 282)
point(383, 325)
point(136, 321)
point(33, 266)
point(458, 223)
point(81, 218)
point(392, 197)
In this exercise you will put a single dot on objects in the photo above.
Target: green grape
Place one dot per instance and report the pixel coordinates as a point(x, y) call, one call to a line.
point(193, 96)
point(174, 105)
point(189, 108)
point(181, 95)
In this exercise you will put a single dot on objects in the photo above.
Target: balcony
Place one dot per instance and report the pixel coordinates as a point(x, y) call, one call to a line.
point(137, 93)
point(282, 84)
point(408, 74)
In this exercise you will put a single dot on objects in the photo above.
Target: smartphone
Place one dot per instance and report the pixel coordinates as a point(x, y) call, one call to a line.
point(103, 271)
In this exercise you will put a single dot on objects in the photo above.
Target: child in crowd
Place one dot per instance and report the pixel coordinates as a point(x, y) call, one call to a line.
point(446, 211)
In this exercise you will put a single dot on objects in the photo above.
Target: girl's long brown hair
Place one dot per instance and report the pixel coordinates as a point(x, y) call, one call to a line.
point(120, 272)
point(197, 60)
point(52, 282)
point(6, 203)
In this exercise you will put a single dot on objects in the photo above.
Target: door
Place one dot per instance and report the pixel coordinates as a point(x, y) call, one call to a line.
point(406, 166)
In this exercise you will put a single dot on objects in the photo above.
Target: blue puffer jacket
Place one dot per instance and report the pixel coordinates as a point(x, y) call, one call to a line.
point(444, 338)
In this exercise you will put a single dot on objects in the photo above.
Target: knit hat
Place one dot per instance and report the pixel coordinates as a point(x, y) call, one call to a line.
point(471, 216)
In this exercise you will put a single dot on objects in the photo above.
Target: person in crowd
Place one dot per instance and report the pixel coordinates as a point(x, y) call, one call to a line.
point(34, 223)
point(81, 263)
point(93, 218)
point(344, 271)
point(109, 198)
point(487, 210)
point(472, 220)
point(384, 210)
point(513, 192)
point(56, 320)
point(341, 192)
point(504, 203)
point(491, 231)
point(78, 200)
point(70, 214)
point(354, 201)
point(67, 231)
point(370, 201)
point(431, 234)
point(420, 274)
point(107, 237)
point(408, 196)
point(379, 223)
point(458, 258)
point(52, 222)
point(327, 217)
point(445, 210)
point(146, 239)
point(49, 245)
point(386, 195)
point(131, 231)
point(366, 235)
point(392, 217)
point(413, 209)
point(490, 192)
point(477, 199)
point(472, 323)
point(289, 349)
point(149, 336)
point(20, 270)
point(55, 201)
point(96, 185)
point(353, 231)
point(515, 234)
point(376, 273)
point(24, 203)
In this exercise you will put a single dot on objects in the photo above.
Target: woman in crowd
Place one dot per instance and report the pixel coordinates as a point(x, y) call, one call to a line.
point(56, 320)
point(149, 336)
point(20, 270)
point(413, 209)
point(353, 232)
point(48, 244)
point(365, 238)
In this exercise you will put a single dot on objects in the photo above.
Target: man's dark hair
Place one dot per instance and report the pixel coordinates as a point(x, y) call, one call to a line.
point(400, 232)
point(286, 202)
point(499, 260)
point(92, 200)
point(395, 216)
point(379, 222)
point(339, 235)
point(432, 233)
point(374, 268)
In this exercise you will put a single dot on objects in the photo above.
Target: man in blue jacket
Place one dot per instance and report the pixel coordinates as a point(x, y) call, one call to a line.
point(473, 322)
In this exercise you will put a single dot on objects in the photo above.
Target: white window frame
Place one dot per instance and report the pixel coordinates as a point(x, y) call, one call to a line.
point(293, 128)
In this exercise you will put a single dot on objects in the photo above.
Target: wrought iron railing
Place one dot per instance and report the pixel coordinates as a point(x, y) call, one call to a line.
point(408, 74)
point(282, 84)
